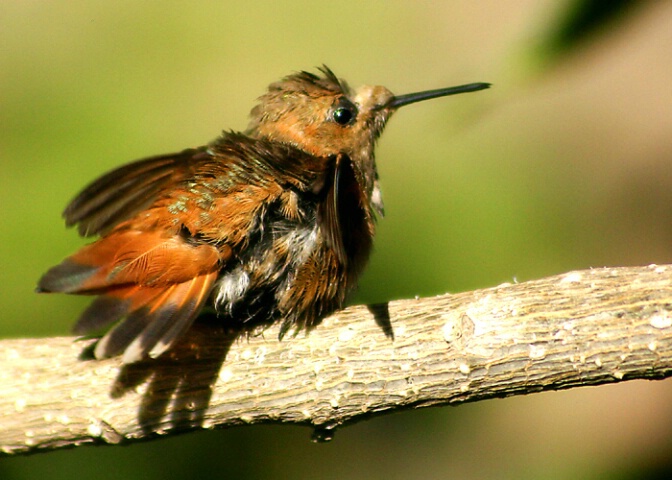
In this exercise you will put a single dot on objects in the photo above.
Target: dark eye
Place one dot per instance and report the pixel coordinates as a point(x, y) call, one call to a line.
point(343, 115)
point(345, 112)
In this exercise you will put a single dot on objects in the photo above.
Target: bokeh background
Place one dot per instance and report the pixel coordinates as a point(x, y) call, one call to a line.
point(564, 164)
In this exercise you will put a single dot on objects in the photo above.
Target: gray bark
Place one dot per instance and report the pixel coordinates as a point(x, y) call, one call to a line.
point(580, 328)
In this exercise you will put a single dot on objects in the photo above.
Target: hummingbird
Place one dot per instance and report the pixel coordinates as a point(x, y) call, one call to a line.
point(272, 224)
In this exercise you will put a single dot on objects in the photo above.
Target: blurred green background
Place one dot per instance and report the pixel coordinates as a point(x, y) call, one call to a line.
point(563, 164)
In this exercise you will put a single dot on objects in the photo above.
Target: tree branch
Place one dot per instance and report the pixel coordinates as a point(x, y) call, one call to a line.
point(581, 328)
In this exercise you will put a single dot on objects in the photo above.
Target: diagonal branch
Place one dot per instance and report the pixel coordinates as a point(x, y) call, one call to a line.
point(581, 328)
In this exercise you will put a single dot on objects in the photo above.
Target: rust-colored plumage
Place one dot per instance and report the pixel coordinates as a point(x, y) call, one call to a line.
point(275, 223)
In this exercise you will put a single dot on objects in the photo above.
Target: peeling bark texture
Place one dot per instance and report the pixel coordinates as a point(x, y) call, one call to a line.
point(581, 328)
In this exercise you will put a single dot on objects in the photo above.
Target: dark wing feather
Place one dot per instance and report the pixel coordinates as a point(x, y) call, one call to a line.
point(121, 193)
point(330, 213)
point(347, 224)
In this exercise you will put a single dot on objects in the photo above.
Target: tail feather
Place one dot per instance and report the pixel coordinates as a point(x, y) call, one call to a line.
point(131, 257)
point(113, 305)
point(191, 304)
point(153, 320)
point(154, 285)
point(102, 312)
point(120, 337)
point(66, 277)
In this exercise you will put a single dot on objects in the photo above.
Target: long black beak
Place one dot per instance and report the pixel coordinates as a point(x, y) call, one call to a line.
point(401, 100)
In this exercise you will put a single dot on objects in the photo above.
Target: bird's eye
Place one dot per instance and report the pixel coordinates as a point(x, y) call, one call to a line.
point(344, 113)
